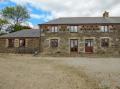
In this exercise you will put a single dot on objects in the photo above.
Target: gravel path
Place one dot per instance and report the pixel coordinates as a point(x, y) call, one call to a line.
point(28, 72)
point(104, 70)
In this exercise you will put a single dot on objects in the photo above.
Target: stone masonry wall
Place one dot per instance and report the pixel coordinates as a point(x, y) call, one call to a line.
point(30, 43)
point(64, 37)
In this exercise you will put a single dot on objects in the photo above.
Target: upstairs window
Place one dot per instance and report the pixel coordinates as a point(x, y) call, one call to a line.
point(104, 29)
point(10, 42)
point(54, 43)
point(73, 28)
point(54, 29)
point(105, 42)
point(22, 43)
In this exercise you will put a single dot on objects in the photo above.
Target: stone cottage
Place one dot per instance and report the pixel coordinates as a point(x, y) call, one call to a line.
point(72, 35)
point(24, 41)
point(79, 35)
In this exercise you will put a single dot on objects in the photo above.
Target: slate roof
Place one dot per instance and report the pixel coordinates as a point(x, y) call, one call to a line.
point(23, 33)
point(85, 20)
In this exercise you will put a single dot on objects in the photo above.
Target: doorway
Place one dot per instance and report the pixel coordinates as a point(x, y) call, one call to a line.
point(89, 45)
point(74, 45)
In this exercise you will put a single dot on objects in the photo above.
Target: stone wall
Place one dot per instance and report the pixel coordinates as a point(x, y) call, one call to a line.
point(3, 47)
point(64, 37)
point(31, 44)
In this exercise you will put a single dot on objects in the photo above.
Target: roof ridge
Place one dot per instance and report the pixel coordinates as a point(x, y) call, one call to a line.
point(90, 17)
point(83, 20)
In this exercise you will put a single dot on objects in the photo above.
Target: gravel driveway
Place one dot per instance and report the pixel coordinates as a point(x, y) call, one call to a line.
point(28, 72)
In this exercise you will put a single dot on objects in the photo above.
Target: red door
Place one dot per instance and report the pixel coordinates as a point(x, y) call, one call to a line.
point(89, 45)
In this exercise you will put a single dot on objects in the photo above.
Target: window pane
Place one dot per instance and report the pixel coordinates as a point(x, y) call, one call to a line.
point(105, 42)
point(54, 43)
point(22, 42)
point(73, 29)
point(10, 42)
point(106, 28)
point(54, 29)
point(102, 29)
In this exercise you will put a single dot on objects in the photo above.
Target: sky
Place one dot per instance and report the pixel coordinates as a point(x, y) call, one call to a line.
point(42, 11)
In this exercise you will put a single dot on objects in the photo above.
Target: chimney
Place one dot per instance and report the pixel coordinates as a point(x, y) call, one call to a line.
point(105, 14)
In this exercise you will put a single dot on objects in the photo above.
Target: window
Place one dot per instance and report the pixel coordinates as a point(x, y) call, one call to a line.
point(54, 43)
point(105, 42)
point(10, 42)
point(22, 43)
point(104, 29)
point(73, 29)
point(54, 29)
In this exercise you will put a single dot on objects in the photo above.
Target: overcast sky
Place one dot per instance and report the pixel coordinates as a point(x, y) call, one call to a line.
point(45, 10)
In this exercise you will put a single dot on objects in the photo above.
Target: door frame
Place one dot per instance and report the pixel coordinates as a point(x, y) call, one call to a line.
point(77, 45)
point(91, 38)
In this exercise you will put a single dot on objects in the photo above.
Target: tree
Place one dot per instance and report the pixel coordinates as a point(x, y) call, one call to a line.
point(2, 23)
point(20, 27)
point(16, 15)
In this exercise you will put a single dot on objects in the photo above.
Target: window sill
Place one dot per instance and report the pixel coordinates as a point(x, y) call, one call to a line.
point(10, 47)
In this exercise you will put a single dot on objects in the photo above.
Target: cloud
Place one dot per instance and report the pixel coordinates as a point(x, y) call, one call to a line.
point(1, 0)
point(36, 16)
point(115, 10)
point(67, 8)
point(43, 16)
point(28, 24)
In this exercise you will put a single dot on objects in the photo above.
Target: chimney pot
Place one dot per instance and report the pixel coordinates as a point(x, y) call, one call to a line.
point(105, 14)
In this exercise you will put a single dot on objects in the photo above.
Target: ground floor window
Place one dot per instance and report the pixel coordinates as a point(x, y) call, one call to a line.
point(10, 42)
point(105, 42)
point(54, 43)
point(22, 43)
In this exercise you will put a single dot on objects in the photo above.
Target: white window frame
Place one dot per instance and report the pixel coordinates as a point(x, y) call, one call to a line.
point(104, 28)
point(73, 29)
point(54, 29)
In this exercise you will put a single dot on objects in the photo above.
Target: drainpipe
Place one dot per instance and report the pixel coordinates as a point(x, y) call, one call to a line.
point(40, 39)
